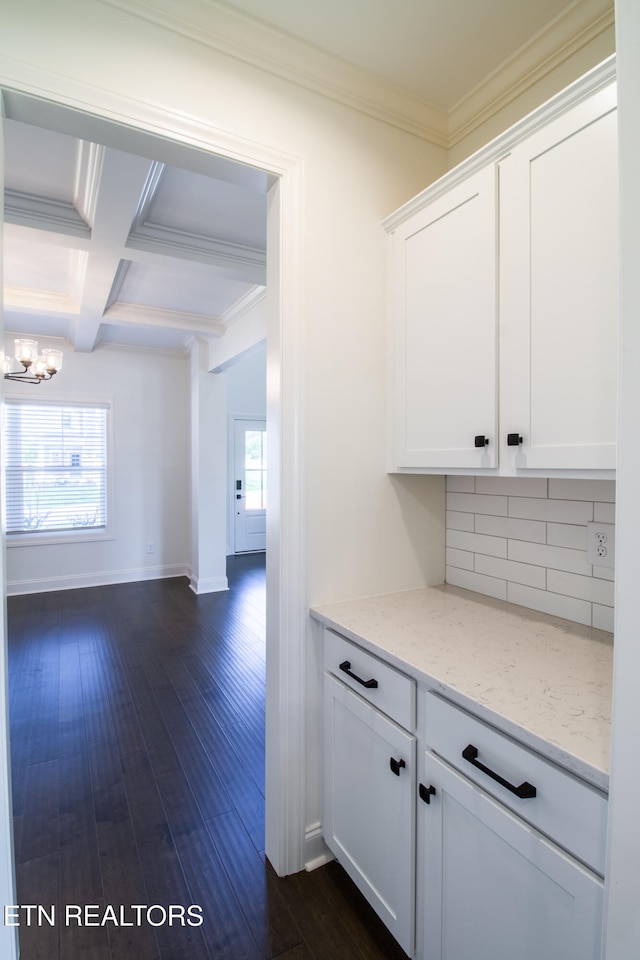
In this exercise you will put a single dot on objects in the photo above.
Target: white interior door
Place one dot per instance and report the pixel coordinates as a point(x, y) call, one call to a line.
point(250, 485)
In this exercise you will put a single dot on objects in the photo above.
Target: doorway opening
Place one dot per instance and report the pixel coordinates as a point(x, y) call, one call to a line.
point(136, 127)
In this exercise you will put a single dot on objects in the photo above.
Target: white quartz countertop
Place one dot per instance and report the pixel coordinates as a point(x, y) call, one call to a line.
point(544, 680)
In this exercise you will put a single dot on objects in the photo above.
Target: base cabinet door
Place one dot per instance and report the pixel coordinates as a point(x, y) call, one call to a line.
point(369, 805)
point(494, 888)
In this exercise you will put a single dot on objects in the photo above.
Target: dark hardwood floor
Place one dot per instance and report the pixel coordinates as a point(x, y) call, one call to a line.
point(137, 732)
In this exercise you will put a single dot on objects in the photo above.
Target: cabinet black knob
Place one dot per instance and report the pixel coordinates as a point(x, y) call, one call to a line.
point(513, 439)
point(426, 793)
point(480, 440)
point(396, 765)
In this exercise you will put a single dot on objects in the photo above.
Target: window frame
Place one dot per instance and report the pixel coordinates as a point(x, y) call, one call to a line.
point(79, 535)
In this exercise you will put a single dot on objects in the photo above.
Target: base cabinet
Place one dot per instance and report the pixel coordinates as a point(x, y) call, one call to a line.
point(369, 807)
point(468, 844)
point(495, 888)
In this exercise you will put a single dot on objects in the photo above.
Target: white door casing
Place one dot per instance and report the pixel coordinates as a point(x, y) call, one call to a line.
point(74, 101)
point(8, 935)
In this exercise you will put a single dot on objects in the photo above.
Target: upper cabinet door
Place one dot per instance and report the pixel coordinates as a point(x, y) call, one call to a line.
point(558, 283)
point(443, 331)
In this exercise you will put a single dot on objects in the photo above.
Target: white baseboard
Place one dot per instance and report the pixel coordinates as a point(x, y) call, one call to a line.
point(316, 852)
point(213, 585)
point(104, 578)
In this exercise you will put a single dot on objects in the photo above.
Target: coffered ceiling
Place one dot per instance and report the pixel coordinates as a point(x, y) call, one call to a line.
point(106, 246)
point(108, 241)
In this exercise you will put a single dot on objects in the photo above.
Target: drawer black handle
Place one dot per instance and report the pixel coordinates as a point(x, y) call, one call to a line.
point(396, 765)
point(514, 440)
point(345, 666)
point(524, 790)
point(480, 440)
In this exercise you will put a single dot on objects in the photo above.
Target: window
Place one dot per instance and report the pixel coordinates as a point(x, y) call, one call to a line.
point(55, 469)
point(255, 469)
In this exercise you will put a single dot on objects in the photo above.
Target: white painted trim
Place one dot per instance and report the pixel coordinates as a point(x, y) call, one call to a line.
point(597, 79)
point(622, 871)
point(287, 601)
point(16, 588)
point(8, 936)
point(238, 35)
point(214, 585)
point(316, 852)
point(574, 28)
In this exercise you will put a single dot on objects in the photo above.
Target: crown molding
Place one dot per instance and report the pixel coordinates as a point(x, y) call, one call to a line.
point(41, 213)
point(234, 34)
point(242, 306)
point(600, 80)
point(583, 22)
point(133, 313)
point(40, 301)
point(87, 180)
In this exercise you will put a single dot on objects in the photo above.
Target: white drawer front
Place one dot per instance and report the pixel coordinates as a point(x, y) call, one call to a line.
point(570, 812)
point(394, 693)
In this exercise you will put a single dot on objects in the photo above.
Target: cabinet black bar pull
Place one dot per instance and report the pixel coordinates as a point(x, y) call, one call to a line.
point(345, 666)
point(513, 439)
point(396, 765)
point(524, 790)
point(426, 793)
point(480, 440)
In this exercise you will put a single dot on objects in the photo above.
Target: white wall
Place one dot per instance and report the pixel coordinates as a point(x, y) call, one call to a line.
point(150, 395)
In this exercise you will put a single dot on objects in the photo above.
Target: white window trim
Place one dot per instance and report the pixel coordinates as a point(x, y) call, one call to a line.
point(52, 537)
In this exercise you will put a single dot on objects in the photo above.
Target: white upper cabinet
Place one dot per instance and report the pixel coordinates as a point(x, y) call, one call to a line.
point(502, 302)
point(558, 290)
point(444, 273)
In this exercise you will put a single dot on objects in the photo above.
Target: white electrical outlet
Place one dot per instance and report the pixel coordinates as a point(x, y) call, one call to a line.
point(601, 544)
point(151, 547)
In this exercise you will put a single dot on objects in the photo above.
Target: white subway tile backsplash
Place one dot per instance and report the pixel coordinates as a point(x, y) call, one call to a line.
point(514, 572)
point(555, 511)
point(604, 490)
point(459, 521)
point(603, 617)
point(604, 512)
point(567, 535)
point(489, 586)
point(533, 530)
point(583, 588)
point(554, 603)
point(459, 558)
point(477, 503)
point(524, 540)
point(494, 546)
point(513, 486)
point(560, 558)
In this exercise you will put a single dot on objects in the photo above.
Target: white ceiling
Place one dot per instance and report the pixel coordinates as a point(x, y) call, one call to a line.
point(115, 241)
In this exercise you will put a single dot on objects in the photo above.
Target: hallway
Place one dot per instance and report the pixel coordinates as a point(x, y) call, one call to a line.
point(137, 728)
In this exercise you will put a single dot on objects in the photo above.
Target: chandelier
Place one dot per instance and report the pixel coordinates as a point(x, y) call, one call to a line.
point(35, 368)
